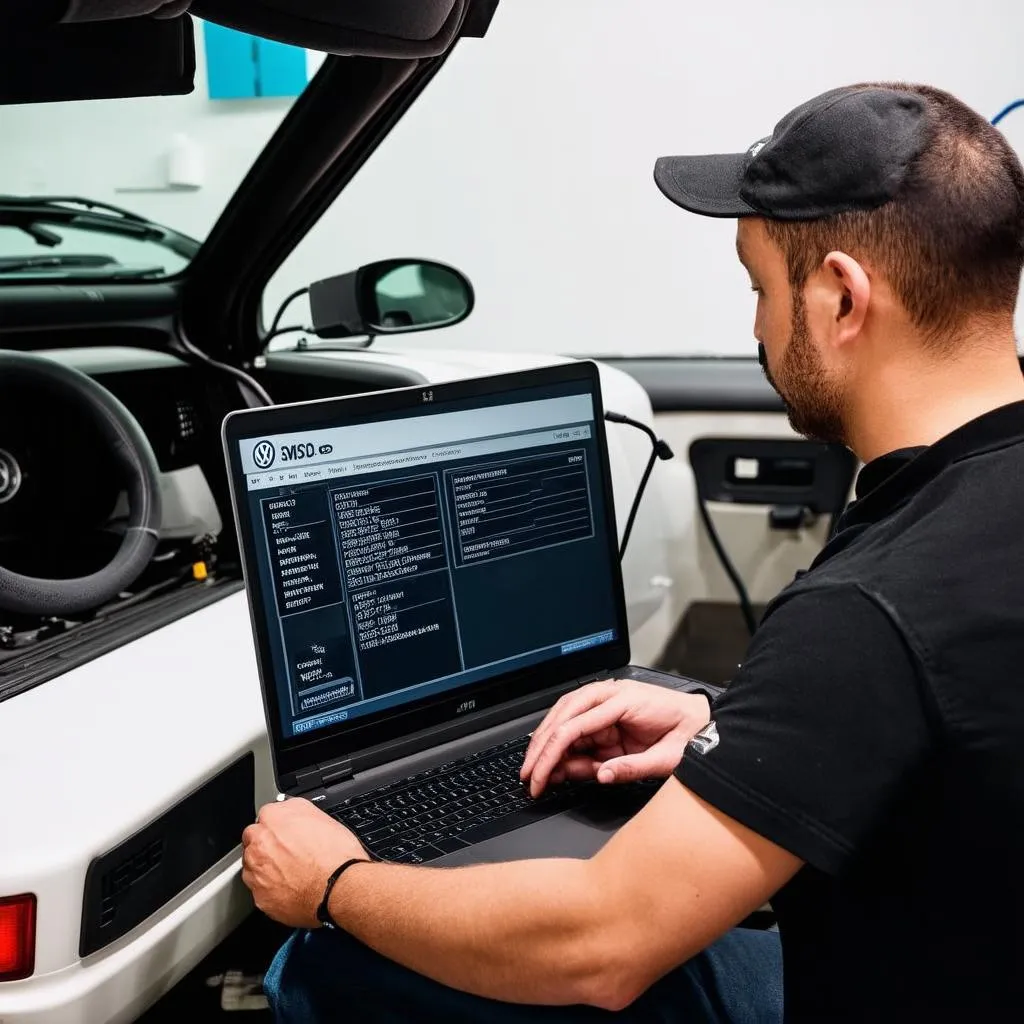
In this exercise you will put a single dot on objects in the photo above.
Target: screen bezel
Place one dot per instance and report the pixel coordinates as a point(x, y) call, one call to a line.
point(291, 754)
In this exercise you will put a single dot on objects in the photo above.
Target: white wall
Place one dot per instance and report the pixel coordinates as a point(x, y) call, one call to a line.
point(528, 161)
point(116, 150)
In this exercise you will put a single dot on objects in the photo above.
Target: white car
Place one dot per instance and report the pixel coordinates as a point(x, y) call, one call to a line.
point(133, 745)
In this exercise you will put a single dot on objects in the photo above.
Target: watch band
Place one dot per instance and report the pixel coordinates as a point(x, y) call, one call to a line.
point(709, 697)
point(323, 913)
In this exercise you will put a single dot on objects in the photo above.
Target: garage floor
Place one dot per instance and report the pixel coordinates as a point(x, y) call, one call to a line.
point(709, 643)
point(227, 981)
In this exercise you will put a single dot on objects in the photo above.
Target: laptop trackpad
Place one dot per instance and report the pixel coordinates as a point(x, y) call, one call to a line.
point(577, 833)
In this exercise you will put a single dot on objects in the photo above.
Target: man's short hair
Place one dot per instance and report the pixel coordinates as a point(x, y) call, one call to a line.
point(951, 244)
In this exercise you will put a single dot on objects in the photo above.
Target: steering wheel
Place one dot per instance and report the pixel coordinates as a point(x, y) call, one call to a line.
point(131, 452)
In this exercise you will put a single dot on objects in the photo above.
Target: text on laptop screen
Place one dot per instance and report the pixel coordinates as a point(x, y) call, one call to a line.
point(422, 551)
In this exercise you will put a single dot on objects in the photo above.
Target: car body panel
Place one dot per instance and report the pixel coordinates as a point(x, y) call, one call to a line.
point(127, 736)
point(120, 983)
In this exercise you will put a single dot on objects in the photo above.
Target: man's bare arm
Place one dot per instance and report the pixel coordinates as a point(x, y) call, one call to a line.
point(674, 879)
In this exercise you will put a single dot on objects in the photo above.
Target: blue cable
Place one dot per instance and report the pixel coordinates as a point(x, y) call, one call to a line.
point(1008, 110)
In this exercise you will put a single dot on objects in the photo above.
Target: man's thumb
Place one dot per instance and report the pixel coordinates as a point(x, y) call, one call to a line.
point(632, 768)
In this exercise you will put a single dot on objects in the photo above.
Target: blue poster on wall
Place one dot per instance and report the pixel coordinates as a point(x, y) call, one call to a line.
point(241, 66)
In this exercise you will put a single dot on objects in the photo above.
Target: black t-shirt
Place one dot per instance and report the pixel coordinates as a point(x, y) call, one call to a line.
point(876, 731)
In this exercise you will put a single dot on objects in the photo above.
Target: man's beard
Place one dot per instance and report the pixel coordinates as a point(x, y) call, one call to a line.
point(814, 403)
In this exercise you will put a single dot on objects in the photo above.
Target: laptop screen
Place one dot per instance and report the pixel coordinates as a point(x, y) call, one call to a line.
point(414, 552)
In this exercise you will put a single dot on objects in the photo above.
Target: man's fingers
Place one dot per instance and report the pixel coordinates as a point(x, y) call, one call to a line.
point(579, 769)
point(574, 769)
point(567, 707)
point(600, 740)
point(657, 762)
point(561, 739)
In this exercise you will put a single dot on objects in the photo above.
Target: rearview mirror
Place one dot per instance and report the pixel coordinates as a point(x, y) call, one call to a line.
point(390, 297)
point(49, 63)
point(406, 29)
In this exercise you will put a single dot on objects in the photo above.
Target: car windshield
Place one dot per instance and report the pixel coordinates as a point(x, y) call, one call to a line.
point(127, 189)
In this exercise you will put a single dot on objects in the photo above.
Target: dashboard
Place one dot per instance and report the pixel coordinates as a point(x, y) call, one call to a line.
point(169, 398)
point(62, 486)
point(63, 506)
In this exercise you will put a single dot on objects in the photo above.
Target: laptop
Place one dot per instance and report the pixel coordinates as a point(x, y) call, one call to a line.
point(429, 569)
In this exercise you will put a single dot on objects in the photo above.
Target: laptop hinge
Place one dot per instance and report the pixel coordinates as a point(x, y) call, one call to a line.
point(327, 773)
point(308, 779)
point(313, 782)
point(334, 772)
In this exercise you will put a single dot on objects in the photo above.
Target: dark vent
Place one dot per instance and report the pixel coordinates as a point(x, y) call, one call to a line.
point(138, 877)
point(116, 882)
point(188, 420)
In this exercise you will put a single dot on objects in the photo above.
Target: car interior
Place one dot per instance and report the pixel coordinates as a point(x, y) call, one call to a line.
point(147, 541)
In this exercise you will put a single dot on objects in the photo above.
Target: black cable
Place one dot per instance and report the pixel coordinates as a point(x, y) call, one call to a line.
point(1008, 109)
point(636, 504)
point(659, 450)
point(278, 331)
point(730, 570)
point(248, 383)
point(276, 322)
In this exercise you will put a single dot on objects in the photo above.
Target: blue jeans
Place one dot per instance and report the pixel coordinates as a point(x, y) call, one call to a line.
point(325, 975)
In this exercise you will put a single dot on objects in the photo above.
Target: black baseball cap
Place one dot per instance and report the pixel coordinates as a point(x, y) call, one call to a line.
point(847, 149)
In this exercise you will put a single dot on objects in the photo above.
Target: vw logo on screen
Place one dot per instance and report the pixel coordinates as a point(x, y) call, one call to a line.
point(263, 455)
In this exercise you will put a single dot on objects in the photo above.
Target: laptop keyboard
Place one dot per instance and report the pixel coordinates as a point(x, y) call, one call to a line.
point(447, 808)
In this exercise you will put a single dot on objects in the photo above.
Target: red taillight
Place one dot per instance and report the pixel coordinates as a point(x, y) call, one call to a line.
point(17, 937)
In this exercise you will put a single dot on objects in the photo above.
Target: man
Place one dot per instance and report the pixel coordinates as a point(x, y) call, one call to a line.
point(865, 768)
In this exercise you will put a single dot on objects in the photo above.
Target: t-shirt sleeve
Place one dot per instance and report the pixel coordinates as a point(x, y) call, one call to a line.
point(820, 732)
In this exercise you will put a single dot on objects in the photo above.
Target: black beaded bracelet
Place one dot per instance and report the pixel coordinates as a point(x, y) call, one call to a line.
point(323, 913)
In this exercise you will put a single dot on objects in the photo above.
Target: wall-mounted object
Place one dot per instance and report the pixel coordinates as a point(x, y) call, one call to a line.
point(186, 168)
point(241, 66)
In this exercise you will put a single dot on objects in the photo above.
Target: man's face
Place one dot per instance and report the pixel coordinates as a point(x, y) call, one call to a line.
point(790, 356)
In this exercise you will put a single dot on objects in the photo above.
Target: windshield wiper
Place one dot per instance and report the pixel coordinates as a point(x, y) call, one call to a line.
point(100, 267)
point(28, 212)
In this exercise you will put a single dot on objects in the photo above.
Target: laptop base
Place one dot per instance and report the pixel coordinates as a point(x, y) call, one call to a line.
point(578, 833)
point(450, 814)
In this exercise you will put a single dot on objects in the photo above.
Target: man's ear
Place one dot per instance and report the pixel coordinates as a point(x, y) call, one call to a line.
point(845, 289)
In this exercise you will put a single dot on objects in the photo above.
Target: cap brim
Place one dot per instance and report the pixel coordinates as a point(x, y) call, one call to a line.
point(709, 185)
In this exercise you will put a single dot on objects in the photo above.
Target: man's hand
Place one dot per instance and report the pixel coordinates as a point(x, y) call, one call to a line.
point(289, 854)
point(614, 732)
